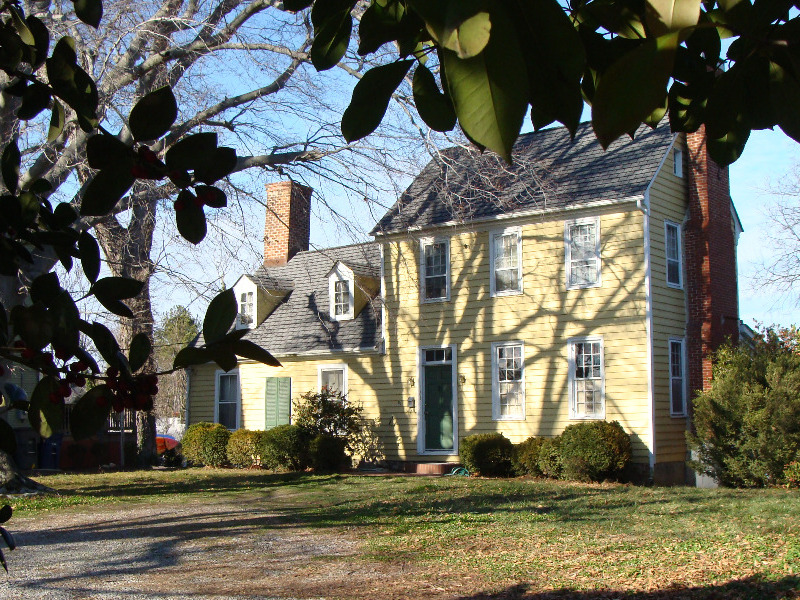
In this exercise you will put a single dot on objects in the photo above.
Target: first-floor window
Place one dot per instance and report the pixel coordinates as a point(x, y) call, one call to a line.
point(333, 378)
point(227, 396)
point(508, 381)
point(586, 378)
point(677, 378)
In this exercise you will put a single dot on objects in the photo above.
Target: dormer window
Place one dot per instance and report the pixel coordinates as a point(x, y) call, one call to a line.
point(340, 288)
point(246, 309)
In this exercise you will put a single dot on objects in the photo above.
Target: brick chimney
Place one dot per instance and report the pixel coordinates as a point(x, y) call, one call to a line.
point(710, 238)
point(287, 229)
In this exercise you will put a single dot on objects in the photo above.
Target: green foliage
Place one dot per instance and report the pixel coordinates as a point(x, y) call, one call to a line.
point(550, 457)
point(243, 448)
point(328, 453)
point(748, 423)
point(329, 413)
point(487, 454)
point(206, 444)
point(791, 475)
point(525, 459)
point(594, 451)
point(285, 448)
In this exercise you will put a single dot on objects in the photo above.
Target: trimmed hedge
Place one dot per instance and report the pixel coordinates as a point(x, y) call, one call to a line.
point(285, 448)
point(525, 459)
point(243, 448)
point(206, 444)
point(328, 454)
point(487, 454)
point(549, 460)
point(191, 441)
point(594, 451)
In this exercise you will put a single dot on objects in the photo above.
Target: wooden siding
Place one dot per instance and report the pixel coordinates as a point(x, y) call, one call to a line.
point(668, 202)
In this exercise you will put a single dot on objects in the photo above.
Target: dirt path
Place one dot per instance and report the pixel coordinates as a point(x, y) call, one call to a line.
point(197, 550)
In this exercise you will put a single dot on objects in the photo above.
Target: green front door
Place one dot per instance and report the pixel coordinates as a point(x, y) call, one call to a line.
point(438, 403)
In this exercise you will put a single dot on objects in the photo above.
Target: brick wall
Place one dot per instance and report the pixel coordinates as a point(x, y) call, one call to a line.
point(712, 291)
point(287, 228)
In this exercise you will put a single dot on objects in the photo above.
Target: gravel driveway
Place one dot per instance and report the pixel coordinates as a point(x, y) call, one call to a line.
point(175, 550)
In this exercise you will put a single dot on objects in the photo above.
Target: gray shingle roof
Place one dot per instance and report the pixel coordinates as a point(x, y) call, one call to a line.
point(302, 323)
point(549, 172)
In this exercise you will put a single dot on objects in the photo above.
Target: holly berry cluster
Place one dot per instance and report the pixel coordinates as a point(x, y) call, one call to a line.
point(134, 393)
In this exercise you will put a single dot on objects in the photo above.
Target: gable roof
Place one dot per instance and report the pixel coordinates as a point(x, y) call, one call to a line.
point(302, 323)
point(549, 172)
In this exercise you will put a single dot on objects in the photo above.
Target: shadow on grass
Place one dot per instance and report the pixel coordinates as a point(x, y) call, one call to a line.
point(750, 588)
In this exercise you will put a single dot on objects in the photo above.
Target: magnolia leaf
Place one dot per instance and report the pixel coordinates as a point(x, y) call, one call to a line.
point(433, 106)
point(103, 339)
point(65, 318)
point(784, 92)
point(21, 26)
point(190, 218)
point(116, 288)
point(45, 288)
point(140, 351)
point(5, 513)
point(219, 163)
point(57, 121)
point(46, 416)
point(190, 356)
point(90, 413)
point(296, 5)
point(220, 315)
point(191, 151)
point(386, 22)
point(371, 98)
point(247, 349)
point(41, 36)
point(89, 11)
point(668, 16)
point(9, 165)
point(223, 355)
point(728, 148)
point(211, 196)
point(462, 26)
point(35, 99)
point(33, 325)
point(632, 88)
point(333, 25)
point(153, 115)
point(106, 189)
point(490, 91)
point(89, 251)
point(104, 151)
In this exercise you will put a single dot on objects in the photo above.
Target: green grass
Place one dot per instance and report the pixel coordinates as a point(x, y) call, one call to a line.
point(586, 537)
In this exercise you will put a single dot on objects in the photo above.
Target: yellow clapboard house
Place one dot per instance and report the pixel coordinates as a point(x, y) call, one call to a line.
point(574, 284)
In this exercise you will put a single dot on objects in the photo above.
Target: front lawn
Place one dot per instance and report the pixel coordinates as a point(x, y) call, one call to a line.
point(508, 534)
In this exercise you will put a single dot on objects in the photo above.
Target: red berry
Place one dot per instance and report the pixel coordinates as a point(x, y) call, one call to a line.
point(62, 353)
point(74, 368)
point(81, 366)
point(64, 390)
point(80, 381)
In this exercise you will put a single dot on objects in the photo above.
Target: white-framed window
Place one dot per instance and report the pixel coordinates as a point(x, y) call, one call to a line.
point(582, 243)
point(505, 256)
point(586, 378)
point(332, 377)
point(246, 309)
point(227, 399)
point(677, 377)
point(672, 243)
point(340, 291)
point(435, 270)
point(677, 162)
point(508, 381)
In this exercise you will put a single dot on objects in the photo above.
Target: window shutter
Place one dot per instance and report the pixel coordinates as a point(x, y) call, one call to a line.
point(277, 401)
point(284, 400)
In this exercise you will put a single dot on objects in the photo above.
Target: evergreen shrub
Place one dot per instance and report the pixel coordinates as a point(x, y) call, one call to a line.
point(285, 448)
point(594, 451)
point(327, 454)
point(243, 449)
point(487, 454)
point(525, 460)
point(549, 460)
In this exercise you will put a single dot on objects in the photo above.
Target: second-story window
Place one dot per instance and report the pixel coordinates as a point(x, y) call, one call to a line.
point(506, 261)
point(582, 241)
point(672, 234)
point(246, 309)
point(435, 270)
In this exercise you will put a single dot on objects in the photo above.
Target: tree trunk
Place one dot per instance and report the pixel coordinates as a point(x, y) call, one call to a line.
point(127, 250)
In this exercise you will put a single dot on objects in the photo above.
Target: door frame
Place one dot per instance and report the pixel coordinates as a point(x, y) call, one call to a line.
point(421, 410)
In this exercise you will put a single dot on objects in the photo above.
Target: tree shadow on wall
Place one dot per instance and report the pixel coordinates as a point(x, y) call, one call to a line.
point(750, 588)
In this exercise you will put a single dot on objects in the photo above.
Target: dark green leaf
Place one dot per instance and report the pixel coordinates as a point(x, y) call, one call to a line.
point(5, 513)
point(211, 196)
point(153, 115)
point(191, 151)
point(83, 355)
point(632, 88)
point(10, 165)
point(668, 16)
point(57, 121)
point(223, 355)
point(190, 218)
point(8, 538)
point(105, 190)
point(90, 413)
point(247, 349)
point(220, 315)
point(64, 215)
point(8, 440)
point(462, 26)
point(332, 27)
point(90, 256)
point(190, 356)
point(385, 22)
point(3, 325)
point(89, 11)
point(66, 318)
point(371, 98)
point(116, 288)
point(221, 163)
point(33, 325)
point(784, 92)
point(34, 100)
point(296, 5)
point(103, 339)
point(105, 151)
point(46, 417)
point(490, 91)
point(433, 106)
point(728, 148)
point(41, 35)
point(41, 186)
point(45, 288)
point(21, 26)
point(140, 351)
point(13, 49)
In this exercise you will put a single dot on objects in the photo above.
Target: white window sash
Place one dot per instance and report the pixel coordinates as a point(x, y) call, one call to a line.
point(322, 370)
point(341, 298)
point(235, 400)
point(676, 260)
point(586, 394)
point(677, 376)
point(426, 278)
point(505, 383)
point(582, 263)
point(514, 268)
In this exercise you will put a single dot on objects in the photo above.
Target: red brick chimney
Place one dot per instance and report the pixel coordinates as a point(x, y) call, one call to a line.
point(710, 238)
point(287, 229)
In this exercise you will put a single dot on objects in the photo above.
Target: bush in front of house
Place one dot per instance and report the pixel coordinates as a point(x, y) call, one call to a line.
point(285, 448)
point(206, 444)
point(525, 460)
point(487, 454)
point(747, 423)
point(594, 451)
point(243, 448)
point(328, 454)
point(549, 460)
point(329, 413)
